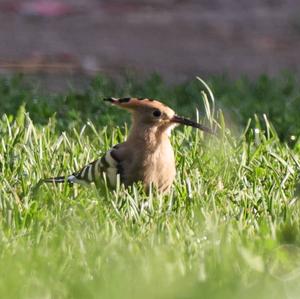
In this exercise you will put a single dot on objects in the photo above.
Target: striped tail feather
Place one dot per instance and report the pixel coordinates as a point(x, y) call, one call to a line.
point(69, 179)
point(58, 179)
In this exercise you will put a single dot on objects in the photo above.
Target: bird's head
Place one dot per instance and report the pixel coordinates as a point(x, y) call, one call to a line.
point(152, 113)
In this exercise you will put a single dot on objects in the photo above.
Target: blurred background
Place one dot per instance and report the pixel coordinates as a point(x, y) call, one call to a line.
point(64, 41)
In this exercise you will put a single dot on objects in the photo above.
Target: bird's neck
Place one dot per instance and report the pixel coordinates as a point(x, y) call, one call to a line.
point(146, 136)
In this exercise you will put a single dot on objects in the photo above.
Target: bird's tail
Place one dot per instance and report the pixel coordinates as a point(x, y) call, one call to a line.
point(54, 180)
point(58, 179)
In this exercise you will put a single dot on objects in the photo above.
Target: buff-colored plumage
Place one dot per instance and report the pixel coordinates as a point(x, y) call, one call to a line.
point(147, 155)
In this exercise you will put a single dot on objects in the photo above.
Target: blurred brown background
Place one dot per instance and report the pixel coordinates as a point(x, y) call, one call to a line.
point(68, 40)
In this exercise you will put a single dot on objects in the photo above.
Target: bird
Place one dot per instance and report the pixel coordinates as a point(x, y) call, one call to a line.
point(146, 156)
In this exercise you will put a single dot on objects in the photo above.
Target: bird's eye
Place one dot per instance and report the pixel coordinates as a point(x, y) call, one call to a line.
point(156, 113)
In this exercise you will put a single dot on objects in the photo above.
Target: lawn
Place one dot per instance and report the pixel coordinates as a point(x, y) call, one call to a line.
point(230, 228)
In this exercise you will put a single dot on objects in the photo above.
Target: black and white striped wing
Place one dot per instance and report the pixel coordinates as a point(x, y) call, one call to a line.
point(93, 172)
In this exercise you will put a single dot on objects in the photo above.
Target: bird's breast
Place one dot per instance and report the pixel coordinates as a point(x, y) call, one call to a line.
point(158, 168)
point(151, 166)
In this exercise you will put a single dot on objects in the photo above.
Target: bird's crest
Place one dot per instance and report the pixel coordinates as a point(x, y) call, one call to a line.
point(134, 103)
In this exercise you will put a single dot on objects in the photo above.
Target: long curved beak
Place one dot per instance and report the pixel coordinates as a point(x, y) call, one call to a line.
point(191, 123)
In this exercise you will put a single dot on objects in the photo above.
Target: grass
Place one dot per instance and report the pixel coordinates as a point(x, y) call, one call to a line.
point(229, 229)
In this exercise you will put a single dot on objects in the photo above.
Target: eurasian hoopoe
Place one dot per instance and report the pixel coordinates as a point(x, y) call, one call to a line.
point(147, 154)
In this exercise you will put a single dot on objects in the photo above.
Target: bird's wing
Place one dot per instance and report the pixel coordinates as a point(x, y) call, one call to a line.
point(109, 164)
point(92, 172)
